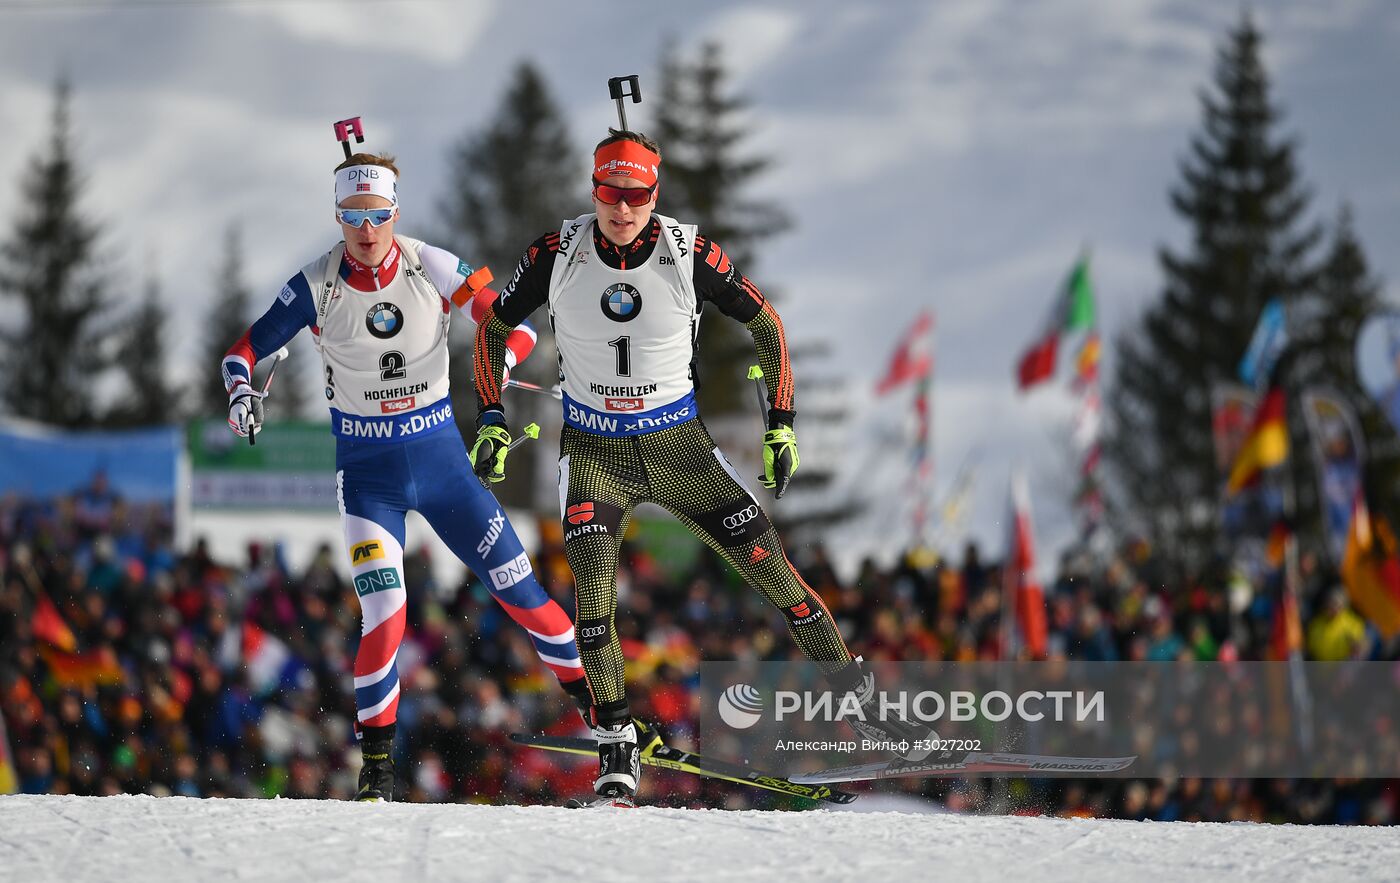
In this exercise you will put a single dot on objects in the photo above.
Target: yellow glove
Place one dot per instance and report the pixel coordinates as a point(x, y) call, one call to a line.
point(780, 459)
point(489, 453)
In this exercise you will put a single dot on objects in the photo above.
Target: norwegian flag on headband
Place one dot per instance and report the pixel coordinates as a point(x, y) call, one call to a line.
point(359, 187)
point(913, 358)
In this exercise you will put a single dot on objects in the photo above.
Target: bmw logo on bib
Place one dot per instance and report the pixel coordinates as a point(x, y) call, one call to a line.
point(621, 302)
point(384, 320)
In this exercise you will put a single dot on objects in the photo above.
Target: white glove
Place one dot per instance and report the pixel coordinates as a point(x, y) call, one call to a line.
point(245, 409)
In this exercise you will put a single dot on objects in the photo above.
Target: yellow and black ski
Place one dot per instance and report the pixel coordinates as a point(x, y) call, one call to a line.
point(658, 754)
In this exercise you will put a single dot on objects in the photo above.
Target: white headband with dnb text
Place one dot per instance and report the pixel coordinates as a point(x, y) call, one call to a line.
point(366, 180)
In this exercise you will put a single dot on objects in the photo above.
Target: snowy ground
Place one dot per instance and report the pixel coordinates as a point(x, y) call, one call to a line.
point(80, 839)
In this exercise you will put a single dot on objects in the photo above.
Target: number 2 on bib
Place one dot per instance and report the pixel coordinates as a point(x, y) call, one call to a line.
point(391, 366)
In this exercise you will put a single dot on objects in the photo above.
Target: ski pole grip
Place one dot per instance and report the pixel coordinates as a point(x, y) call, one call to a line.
point(532, 430)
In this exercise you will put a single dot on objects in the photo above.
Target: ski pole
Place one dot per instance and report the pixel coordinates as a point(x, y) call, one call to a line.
point(615, 85)
point(534, 387)
point(756, 375)
point(782, 477)
point(277, 357)
point(531, 430)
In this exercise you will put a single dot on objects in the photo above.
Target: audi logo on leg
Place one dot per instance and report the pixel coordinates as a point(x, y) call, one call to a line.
point(742, 517)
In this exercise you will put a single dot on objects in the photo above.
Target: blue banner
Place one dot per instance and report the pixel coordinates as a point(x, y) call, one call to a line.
point(41, 462)
point(1270, 337)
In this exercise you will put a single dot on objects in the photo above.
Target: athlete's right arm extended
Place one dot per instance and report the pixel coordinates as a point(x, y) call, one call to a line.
point(291, 312)
point(527, 291)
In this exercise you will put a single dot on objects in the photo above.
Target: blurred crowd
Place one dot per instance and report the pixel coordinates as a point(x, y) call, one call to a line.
point(127, 666)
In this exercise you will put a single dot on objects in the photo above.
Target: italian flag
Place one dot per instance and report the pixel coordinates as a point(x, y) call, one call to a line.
point(1073, 311)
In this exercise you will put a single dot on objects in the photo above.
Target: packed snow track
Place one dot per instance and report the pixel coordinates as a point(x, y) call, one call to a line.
point(80, 839)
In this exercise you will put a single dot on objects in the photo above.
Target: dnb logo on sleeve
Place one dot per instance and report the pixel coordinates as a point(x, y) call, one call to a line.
point(380, 580)
point(384, 320)
point(621, 302)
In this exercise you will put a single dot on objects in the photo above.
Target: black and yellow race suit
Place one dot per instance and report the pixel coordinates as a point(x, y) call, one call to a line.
point(625, 320)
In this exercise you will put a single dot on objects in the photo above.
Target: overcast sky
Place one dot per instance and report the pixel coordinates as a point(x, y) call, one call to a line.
point(950, 155)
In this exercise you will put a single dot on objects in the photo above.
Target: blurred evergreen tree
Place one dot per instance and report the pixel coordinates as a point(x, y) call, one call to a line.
point(1241, 196)
point(1325, 325)
point(227, 319)
point(148, 397)
point(55, 356)
point(513, 182)
point(1325, 328)
point(698, 124)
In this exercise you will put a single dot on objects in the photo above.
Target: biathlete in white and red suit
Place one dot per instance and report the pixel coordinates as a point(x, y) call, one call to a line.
point(378, 306)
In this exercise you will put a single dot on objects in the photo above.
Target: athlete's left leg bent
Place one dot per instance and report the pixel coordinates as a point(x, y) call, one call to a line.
point(474, 526)
point(694, 481)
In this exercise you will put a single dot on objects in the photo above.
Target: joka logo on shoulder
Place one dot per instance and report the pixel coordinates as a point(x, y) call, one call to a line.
point(741, 706)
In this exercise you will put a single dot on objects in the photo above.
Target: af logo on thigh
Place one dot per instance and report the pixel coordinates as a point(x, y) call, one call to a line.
point(362, 553)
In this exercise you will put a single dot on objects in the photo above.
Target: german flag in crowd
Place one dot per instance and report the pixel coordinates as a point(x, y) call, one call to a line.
point(1371, 569)
point(59, 650)
point(1266, 445)
point(91, 667)
point(49, 626)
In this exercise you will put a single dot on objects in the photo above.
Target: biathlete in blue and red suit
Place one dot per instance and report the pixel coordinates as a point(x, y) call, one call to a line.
point(378, 306)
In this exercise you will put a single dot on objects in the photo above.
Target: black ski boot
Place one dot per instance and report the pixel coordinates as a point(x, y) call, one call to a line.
point(911, 741)
point(619, 753)
point(377, 774)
